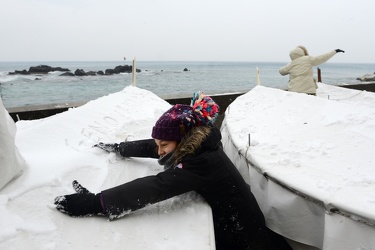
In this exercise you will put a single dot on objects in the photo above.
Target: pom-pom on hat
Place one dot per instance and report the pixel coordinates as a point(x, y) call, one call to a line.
point(205, 108)
point(178, 120)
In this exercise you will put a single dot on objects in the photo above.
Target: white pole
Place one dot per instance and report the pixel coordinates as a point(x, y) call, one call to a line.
point(133, 72)
point(257, 76)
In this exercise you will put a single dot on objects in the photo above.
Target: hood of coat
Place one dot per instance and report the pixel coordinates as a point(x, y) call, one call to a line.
point(199, 139)
point(296, 53)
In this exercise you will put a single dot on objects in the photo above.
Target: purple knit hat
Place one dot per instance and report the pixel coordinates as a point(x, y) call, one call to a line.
point(178, 120)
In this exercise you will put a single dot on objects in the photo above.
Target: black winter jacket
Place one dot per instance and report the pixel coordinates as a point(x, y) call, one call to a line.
point(238, 220)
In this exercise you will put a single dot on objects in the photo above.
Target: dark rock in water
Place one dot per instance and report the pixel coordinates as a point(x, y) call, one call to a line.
point(41, 69)
point(123, 69)
point(67, 74)
point(44, 69)
point(20, 72)
point(80, 72)
point(109, 71)
point(185, 69)
point(38, 78)
point(367, 78)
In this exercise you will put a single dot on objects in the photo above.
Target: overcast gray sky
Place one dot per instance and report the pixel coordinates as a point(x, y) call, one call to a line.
point(185, 30)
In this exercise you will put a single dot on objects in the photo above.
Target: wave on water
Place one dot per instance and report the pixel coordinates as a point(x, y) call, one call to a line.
point(16, 78)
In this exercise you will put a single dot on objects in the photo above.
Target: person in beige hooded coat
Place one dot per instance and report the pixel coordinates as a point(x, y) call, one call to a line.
point(301, 78)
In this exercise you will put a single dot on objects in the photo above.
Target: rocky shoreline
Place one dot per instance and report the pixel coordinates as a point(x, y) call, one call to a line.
point(45, 69)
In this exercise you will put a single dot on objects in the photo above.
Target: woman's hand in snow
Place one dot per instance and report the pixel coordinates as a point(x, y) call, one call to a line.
point(108, 146)
point(80, 204)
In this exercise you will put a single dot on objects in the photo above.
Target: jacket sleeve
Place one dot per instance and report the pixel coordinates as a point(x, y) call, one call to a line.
point(284, 70)
point(317, 60)
point(122, 200)
point(141, 148)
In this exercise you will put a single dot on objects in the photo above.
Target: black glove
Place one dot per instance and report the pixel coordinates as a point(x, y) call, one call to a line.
point(339, 50)
point(108, 147)
point(83, 203)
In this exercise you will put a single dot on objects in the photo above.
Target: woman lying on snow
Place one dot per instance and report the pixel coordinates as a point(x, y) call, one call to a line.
point(188, 145)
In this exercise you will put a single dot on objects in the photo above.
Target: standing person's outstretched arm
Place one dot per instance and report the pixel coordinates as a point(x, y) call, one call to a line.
point(317, 60)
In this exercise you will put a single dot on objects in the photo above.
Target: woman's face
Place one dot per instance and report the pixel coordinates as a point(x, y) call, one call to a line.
point(165, 147)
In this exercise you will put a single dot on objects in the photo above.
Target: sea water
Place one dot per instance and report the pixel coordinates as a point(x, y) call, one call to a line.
point(165, 79)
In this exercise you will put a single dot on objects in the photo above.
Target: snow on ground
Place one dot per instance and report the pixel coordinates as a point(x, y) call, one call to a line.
point(58, 150)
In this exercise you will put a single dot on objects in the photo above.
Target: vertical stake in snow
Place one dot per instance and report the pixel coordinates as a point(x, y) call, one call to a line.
point(133, 72)
point(257, 75)
point(319, 75)
point(249, 140)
